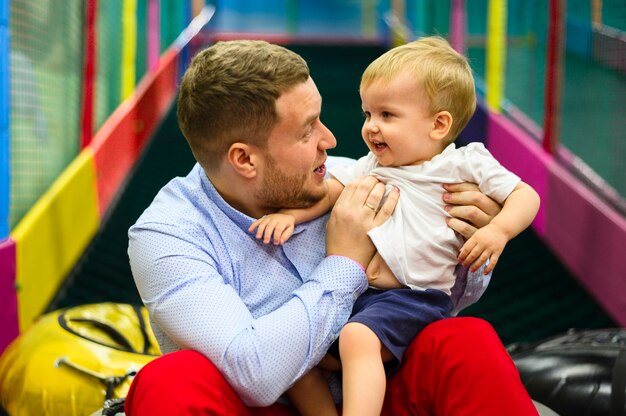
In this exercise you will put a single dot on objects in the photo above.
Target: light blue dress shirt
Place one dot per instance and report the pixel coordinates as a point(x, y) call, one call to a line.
point(263, 314)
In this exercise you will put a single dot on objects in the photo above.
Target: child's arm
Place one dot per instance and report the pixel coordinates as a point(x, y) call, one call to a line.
point(518, 211)
point(281, 224)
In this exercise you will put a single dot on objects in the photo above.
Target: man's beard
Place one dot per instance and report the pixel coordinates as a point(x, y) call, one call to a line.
point(280, 190)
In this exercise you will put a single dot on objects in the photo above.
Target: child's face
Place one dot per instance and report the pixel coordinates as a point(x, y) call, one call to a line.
point(398, 125)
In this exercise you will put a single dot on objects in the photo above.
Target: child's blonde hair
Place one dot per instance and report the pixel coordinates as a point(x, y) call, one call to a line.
point(444, 73)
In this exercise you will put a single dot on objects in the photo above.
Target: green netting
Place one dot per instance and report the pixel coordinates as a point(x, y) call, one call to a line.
point(429, 17)
point(46, 72)
point(476, 36)
point(527, 25)
point(172, 21)
point(525, 54)
point(109, 59)
point(580, 9)
point(593, 92)
point(614, 14)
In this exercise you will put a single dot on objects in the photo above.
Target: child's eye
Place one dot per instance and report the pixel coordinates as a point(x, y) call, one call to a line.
point(366, 114)
point(386, 114)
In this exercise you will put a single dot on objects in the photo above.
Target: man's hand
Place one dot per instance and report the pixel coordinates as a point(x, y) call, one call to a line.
point(357, 210)
point(470, 209)
point(487, 243)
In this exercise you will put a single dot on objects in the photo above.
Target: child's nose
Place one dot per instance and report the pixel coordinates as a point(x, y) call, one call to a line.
point(371, 125)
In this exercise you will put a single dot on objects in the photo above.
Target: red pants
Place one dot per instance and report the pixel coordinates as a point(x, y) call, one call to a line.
point(456, 366)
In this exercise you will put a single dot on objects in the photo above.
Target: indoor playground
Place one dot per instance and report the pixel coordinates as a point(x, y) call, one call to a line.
point(88, 135)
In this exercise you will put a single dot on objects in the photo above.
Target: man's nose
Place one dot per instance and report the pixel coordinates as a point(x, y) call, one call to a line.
point(328, 140)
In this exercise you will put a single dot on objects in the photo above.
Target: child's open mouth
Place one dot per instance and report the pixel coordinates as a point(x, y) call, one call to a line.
point(379, 145)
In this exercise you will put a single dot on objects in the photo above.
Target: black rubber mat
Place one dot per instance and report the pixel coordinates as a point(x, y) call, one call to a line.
point(531, 294)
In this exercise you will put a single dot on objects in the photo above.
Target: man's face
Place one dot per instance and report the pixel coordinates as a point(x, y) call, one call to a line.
point(293, 174)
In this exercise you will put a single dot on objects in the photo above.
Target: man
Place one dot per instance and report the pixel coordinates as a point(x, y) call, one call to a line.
point(243, 321)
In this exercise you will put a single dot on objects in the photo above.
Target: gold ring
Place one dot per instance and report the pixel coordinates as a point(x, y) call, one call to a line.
point(370, 206)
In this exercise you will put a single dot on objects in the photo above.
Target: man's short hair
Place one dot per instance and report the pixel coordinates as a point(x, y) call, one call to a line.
point(229, 93)
point(445, 75)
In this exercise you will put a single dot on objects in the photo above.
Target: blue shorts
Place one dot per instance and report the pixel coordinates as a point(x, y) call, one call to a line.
point(396, 316)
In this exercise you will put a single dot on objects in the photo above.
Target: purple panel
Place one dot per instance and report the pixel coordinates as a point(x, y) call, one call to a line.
point(476, 129)
point(9, 327)
point(519, 153)
point(590, 238)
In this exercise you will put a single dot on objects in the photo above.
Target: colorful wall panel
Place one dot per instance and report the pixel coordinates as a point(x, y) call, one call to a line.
point(47, 242)
point(4, 119)
point(120, 140)
point(585, 233)
point(8, 293)
point(53, 234)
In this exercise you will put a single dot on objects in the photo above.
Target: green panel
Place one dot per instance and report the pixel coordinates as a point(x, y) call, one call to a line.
point(109, 59)
point(593, 125)
point(581, 9)
point(46, 62)
point(172, 21)
point(614, 15)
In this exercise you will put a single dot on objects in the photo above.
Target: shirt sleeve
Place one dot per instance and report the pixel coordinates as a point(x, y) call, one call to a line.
point(346, 173)
point(192, 303)
point(492, 178)
point(497, 182)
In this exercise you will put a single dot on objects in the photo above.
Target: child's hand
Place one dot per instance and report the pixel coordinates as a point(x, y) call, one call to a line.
point(486, 243)
point(280, 225)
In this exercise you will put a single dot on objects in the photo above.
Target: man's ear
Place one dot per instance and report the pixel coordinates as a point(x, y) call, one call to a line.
point(441, 125)
point(243, 159)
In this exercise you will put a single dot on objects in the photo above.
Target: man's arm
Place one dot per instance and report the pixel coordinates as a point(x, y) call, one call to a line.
point(186, 287)
point(198, 306)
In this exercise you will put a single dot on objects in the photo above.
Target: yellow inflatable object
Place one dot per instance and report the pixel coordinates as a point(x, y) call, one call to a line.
point(71, 360)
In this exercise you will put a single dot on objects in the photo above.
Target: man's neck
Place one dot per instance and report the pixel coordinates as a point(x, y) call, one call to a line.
point(238, 195)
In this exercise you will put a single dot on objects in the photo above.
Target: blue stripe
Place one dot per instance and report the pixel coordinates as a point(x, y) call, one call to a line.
point(4, 119)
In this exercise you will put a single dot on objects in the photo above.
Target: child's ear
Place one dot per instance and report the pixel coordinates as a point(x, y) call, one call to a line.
point(441, 125)
point(244, 159)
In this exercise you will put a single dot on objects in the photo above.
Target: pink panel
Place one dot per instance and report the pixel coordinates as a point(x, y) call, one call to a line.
point(587, 235)
point(9, 328)
point(457, 26)
point(154, 27)
point(519, 153)
point(590, 238)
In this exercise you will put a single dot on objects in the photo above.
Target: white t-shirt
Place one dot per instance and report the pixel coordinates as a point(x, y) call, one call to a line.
point(416, 242)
